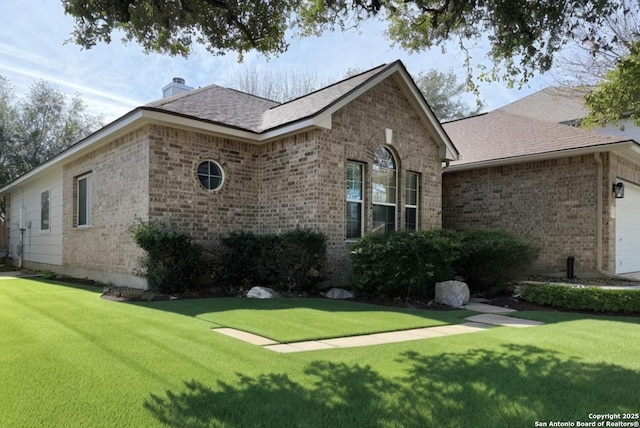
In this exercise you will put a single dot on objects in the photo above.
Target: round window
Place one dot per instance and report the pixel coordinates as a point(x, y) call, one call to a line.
point(210, 175)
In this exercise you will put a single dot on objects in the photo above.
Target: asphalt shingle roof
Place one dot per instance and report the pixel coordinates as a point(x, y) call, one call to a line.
point(219, 105)
point(240, 110)
point(501, 135)
point(551, 104)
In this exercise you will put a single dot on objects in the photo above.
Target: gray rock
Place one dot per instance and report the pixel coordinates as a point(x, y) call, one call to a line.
point(452, 293)
point(338, 293)
point(262, 293)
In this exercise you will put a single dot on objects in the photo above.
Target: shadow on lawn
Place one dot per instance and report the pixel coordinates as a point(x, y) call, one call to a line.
point(513, 386)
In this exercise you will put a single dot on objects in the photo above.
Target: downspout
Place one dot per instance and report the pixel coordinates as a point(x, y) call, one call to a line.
point(599, 233)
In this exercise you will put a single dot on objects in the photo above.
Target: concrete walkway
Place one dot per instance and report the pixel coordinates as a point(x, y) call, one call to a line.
point(490, 316)
point(10, 275)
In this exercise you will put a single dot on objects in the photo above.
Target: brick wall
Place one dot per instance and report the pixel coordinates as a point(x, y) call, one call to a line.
point(295, 182)
point(104, 250)
point(176, 195)
point(552, 204)
point(298, 181)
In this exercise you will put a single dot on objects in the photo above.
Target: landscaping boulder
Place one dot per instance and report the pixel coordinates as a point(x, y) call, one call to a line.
point(452, 293)
point(339, 294)
point(262, 293)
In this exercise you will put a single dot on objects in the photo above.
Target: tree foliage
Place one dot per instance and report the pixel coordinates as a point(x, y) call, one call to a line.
point(587, 59)
point(39, 126)
point(524, 35)
point(442, 92)
point(618, 95)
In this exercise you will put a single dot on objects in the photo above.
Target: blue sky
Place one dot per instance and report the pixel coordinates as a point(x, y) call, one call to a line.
point(116, 78)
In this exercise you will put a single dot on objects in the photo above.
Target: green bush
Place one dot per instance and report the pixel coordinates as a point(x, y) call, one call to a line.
point(292, 261)
point(583, 298)
point(172, 262)
point(403, 264)
point(490, 259)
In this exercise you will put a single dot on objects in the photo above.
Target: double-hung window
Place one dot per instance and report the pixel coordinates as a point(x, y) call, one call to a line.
point(412, 192)
point(355, 199)
point(83, 200)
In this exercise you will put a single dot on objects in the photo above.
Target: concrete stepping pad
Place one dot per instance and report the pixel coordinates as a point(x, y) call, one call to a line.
point(496, 319)
point(487, 309)
point(254, 339)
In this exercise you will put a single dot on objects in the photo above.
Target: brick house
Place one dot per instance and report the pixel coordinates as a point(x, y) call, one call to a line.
point(363, 154)
point(552, 185)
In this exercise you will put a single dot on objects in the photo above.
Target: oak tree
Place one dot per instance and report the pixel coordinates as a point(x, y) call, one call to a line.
point(38, 126)
point(523, 35)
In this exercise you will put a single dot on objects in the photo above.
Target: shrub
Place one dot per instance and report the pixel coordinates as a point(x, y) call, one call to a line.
point(583, 298)
point(293, 260)
point(490, 259)
point(403, 264)
point(172, 262)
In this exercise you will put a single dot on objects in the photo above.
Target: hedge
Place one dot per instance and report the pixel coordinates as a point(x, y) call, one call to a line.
point(291, 261)
point(403, 264)
point(583, 298)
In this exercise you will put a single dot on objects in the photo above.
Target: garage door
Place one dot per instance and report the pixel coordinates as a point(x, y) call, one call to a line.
point(628, 230)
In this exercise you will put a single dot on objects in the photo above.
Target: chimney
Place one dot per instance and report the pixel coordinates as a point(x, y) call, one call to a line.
point(176, 87)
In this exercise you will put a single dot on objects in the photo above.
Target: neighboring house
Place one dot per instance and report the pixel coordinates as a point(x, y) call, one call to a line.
point(552, 185)
point(361, 155)
point(566, 106)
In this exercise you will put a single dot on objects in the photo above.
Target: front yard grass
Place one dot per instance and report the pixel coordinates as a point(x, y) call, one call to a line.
point(292, 320)
point(70, 359)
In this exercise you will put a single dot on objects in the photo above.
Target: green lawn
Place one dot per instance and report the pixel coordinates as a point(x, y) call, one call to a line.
point(70, 359)
point(292, 320)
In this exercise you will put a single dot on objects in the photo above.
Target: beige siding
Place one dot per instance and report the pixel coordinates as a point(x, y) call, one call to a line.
point(40, 246)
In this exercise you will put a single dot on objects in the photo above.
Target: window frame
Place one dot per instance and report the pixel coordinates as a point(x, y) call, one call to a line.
point(408, 206)
point(359, 202)
point(88, 178)
point(378, 167)
point(209, 175)
point(46, 229)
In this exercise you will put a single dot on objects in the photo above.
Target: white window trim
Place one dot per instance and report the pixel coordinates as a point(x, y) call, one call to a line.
point(387, 204)
point(48, 230)
point(417, 204)
point(359, 201)
point(87, 177)
point(222, 175)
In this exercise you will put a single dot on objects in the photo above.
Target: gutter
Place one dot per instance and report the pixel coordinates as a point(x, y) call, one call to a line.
point(535, 157)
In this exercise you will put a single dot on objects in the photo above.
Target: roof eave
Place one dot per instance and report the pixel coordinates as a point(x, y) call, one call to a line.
point(625, 148)
point(119, 126)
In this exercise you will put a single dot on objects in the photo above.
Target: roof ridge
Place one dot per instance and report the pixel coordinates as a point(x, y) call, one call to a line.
point(331, 85)
point(166, 100)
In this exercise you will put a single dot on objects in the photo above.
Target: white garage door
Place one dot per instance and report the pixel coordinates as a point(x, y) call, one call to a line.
point(628, 230)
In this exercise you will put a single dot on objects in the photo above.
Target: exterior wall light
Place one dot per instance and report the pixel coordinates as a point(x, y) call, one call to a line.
point(618, 190)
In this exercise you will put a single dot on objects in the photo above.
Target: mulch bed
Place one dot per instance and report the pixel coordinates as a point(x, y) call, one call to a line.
point(120, 294)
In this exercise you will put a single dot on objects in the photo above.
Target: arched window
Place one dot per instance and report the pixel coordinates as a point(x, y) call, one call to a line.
point(384, 177)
